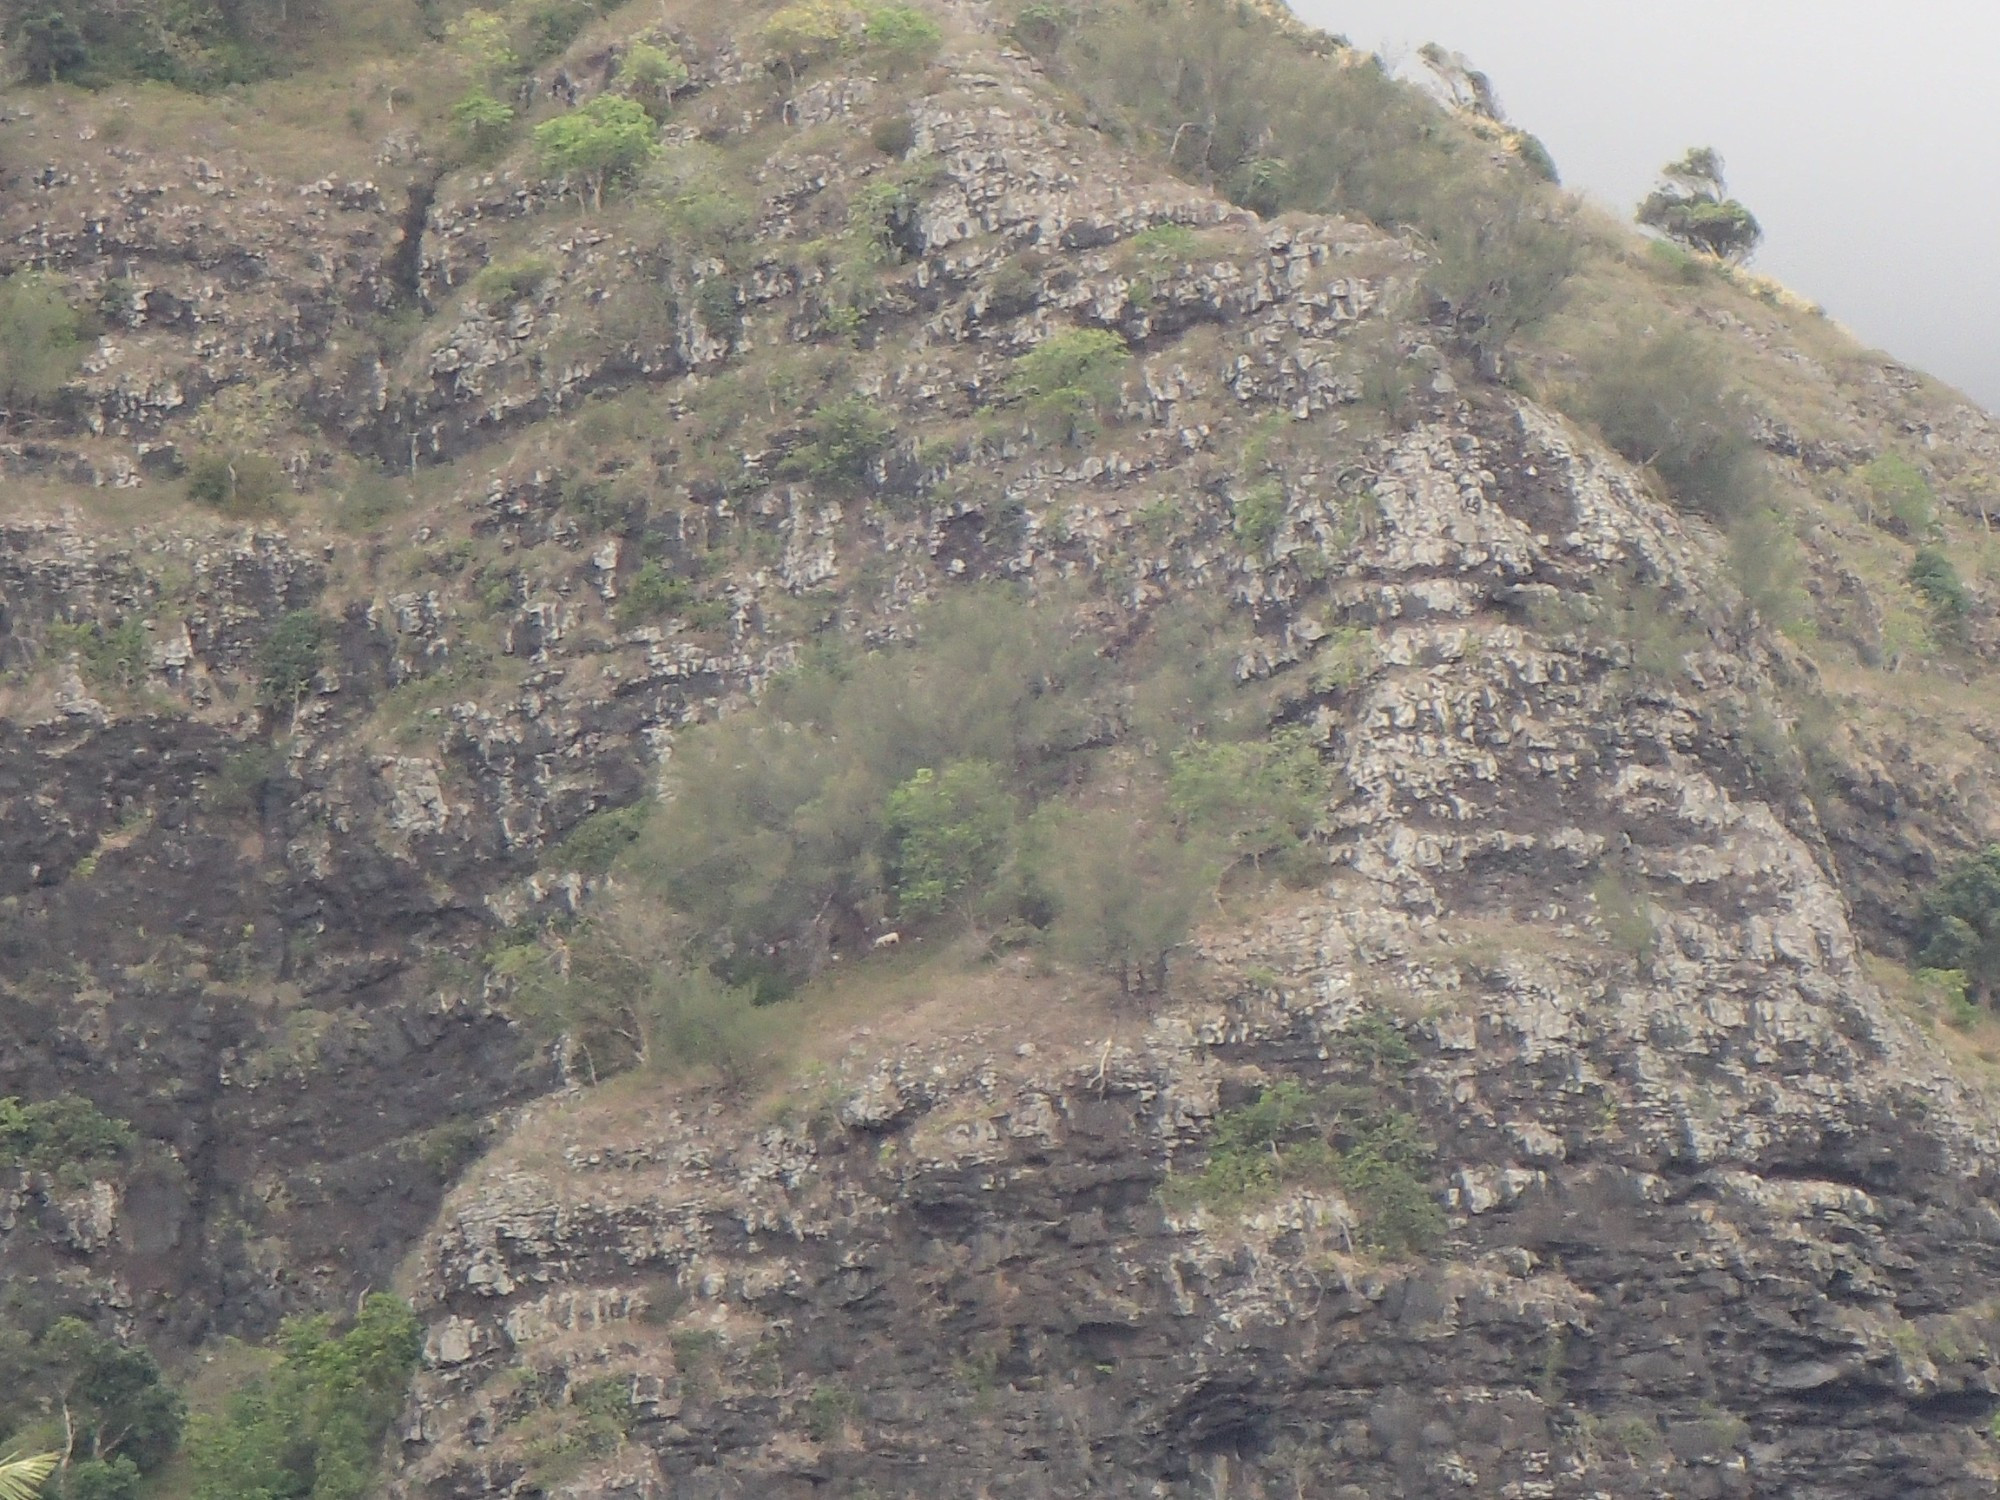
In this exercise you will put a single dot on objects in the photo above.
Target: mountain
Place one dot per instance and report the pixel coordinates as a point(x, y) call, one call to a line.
point(962, 749)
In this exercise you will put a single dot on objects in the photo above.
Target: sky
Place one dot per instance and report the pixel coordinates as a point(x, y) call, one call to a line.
point(1864, 136)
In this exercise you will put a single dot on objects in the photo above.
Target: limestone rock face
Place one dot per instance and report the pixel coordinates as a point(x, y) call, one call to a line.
point(1693, 1197)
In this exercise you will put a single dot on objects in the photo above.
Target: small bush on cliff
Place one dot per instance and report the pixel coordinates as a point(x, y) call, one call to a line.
point(1958, 924)
point(1899, 492)
point(1341, 1137)
point(1935, 578)
point(41, 343)
point(291, 658)
point(652, 74)
point(1279, 121)
point(844, 439)
point(65, 1133)
point(1262, 798)
point(1067, 381)
point(310, 1429)
point(1665, 400)
point(113, 658)
point(808, 32)
point(902, 36)
point(482, 123)
point(241, 485)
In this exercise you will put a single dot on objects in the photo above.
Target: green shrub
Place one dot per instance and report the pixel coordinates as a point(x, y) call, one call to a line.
point(310, 1430)
point(949, 834)
point(116, 659)
point(653, 74)
point(595, 843)
point(237, 484)
point(66, 1132)
point(503, 283)
point(1040, 27)
point(1068, 380)
point(1259, 512)
point(691, 188)
point(291, 658)
point(479, 38)
point(1280, 121)
point(717, 306)
point(482, 122)
point(1262, 798)
point(844, 439)
point(1935, 577)
point(808, 32)
point(827, 1413)
point(1288, 1136)
point(1902, 492)
point(552, 25)
point(605, 140)
point(893, 135)
point(41, 342)
point(902, 36)
point(774, 839)
point(620, 993)
point(651, 593)
point(1958, 923)
point(1665, 400)
point(238, 784)
point(593, 1420)
point(1503, 265)
point(1124, 889)
point(1626, 915)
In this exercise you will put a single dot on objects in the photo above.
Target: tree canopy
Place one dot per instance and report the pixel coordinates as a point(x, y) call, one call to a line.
point(608, 138)
point(1692, 207)
point(1959, 925)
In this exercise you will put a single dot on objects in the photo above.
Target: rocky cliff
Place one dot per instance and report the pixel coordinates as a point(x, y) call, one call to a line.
point(1617, 881)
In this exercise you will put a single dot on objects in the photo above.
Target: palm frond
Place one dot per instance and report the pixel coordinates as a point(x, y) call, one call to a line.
point(23, 1475)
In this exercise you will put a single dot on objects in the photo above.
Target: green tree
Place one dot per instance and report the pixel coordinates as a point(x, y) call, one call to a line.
point(1125, 889)
point(600, 142)
point(807, 32)
point(292, 656)
point(480, 39)
point(310, 1429)
point(1692, 207)
point(123, 1420)
point(1261, 798)
point(481, 121)
point(653, 74)
point(903, 36)
point(64, 1132)
point(41, 342)
point(50, 46)
point(620, 991)
point(1068, 379)
point(1958, 925)
point(844, 438)
point(949, 833)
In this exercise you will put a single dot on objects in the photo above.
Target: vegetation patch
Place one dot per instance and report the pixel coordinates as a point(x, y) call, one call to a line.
point(311, 1428)
point(66, 1135)
point(1339, 1137)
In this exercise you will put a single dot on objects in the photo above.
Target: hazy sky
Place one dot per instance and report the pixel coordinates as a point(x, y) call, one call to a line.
point(1865, 136)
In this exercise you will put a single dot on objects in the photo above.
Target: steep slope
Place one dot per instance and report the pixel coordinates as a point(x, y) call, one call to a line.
point(1604, 883)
